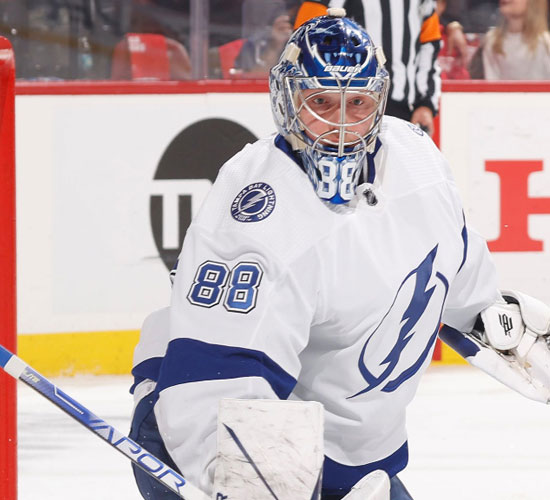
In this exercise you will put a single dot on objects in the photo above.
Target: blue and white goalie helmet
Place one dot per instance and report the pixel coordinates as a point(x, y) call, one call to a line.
point(328, 96)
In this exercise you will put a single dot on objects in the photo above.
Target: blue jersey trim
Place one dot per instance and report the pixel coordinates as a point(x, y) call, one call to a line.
point(461, 344)
point(465, 241)
point(286, 148)
point(189, 360)
point(371, 169)
point(148, 369)
point(339, 478)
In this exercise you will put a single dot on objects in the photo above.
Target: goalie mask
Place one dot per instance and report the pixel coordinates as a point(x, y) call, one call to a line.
point(328, 95)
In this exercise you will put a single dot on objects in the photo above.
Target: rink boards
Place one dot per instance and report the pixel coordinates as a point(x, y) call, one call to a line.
point(109, 176)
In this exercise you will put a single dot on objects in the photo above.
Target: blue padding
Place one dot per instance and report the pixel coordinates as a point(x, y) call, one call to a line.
point(148, 369)
point(145, 432)
point(460, 343)
point(338, 478)
point(189, 360)
point(5, 356)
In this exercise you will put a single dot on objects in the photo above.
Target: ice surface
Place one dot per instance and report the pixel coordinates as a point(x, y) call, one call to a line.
point(470, 438)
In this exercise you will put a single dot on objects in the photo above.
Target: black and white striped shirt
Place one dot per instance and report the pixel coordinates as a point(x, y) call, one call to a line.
point(408, 31)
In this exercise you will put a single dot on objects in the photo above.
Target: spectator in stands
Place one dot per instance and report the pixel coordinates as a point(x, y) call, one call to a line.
point(476, 16)
point(267, 26)
point(454, 55)
point(411, 59)
point(519, 48)
point(453, 32)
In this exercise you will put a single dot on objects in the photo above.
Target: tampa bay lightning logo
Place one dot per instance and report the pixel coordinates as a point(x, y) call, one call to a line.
point(416, 309)
point(254, 203)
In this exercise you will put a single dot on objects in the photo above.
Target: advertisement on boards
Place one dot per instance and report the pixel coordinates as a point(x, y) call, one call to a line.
point(107, 186)
point(498, 145)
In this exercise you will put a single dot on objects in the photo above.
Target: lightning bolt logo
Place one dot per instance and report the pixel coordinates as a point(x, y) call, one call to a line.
point(418, 301)
point(253, 203)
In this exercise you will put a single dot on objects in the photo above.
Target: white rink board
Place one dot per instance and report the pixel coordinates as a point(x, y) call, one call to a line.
point(85, 167)
point(480, 127)
point(87, 260)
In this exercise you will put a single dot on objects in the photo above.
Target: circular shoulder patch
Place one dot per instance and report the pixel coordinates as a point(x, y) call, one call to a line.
point(254, 203)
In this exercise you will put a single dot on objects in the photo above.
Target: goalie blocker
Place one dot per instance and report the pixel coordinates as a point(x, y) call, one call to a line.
point(510, 342)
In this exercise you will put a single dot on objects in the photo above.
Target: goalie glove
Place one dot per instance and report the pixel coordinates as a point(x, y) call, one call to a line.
point(510, 342)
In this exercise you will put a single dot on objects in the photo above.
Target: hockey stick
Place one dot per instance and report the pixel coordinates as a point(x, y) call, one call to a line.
point(18, 369)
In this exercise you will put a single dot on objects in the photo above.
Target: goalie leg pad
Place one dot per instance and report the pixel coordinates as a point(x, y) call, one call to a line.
point(269, 449)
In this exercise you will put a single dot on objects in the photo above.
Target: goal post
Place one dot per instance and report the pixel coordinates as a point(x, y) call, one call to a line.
point(8, 328)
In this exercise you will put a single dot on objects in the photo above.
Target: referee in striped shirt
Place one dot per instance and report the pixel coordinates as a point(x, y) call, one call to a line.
point(408, 31)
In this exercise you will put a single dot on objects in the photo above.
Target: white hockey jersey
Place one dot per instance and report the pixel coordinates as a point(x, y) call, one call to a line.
point(279, 295)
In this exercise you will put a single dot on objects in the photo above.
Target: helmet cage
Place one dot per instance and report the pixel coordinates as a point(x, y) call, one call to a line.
point(341, 137)
point(334, 58)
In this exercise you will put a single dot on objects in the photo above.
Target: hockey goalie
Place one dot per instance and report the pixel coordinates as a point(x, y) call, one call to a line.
point(310, 291)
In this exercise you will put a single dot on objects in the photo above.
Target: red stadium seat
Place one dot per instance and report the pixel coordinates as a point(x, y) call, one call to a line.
point(228, 55)
point(143, 56)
